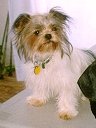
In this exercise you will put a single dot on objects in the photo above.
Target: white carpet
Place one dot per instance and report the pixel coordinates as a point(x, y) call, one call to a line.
point(15, 113)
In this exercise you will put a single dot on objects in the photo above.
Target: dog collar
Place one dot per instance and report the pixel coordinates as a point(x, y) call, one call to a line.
point(40, 65)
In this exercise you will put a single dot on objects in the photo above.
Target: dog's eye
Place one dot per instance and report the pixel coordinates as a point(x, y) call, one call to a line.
point(37, 32)
point(54, 28)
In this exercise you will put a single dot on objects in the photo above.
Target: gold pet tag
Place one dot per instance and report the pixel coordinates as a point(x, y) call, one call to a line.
point(37, 70)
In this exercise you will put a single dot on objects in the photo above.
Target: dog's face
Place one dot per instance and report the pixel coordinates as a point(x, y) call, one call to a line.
point(41, 34)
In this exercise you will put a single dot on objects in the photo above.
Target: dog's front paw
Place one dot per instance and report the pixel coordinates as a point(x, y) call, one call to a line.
point(35, 102)
point(67, 115)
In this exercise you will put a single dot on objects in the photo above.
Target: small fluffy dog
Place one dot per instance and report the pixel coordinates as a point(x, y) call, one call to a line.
point(87, 83)
point(52, 65)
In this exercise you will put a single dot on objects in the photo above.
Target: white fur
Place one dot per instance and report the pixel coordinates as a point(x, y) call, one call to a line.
point(59, 78)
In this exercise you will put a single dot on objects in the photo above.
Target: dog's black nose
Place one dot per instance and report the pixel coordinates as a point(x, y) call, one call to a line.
point(48, 36)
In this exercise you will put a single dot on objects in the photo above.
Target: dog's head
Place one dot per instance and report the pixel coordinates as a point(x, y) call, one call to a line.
point(43, 34)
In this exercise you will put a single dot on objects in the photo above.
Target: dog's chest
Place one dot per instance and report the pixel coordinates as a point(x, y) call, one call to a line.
point(53, 75)
point(50, 78)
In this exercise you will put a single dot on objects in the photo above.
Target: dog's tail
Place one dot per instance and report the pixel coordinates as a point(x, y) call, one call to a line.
point(93, 107)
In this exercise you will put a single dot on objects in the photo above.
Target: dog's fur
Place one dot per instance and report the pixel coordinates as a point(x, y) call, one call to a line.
point(87, 83)
point(44, 37)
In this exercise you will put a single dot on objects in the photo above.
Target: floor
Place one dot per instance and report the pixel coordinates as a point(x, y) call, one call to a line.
point(15, 113)
point(9, 87)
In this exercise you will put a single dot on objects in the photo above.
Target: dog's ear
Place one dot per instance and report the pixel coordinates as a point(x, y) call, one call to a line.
point(58, 15)
point(20, 23)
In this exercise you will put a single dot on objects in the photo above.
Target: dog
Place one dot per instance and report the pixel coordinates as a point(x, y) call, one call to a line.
point(87, 83)
point(52, 65)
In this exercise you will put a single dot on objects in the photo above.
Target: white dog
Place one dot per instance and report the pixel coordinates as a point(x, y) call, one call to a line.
point(53, 66)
